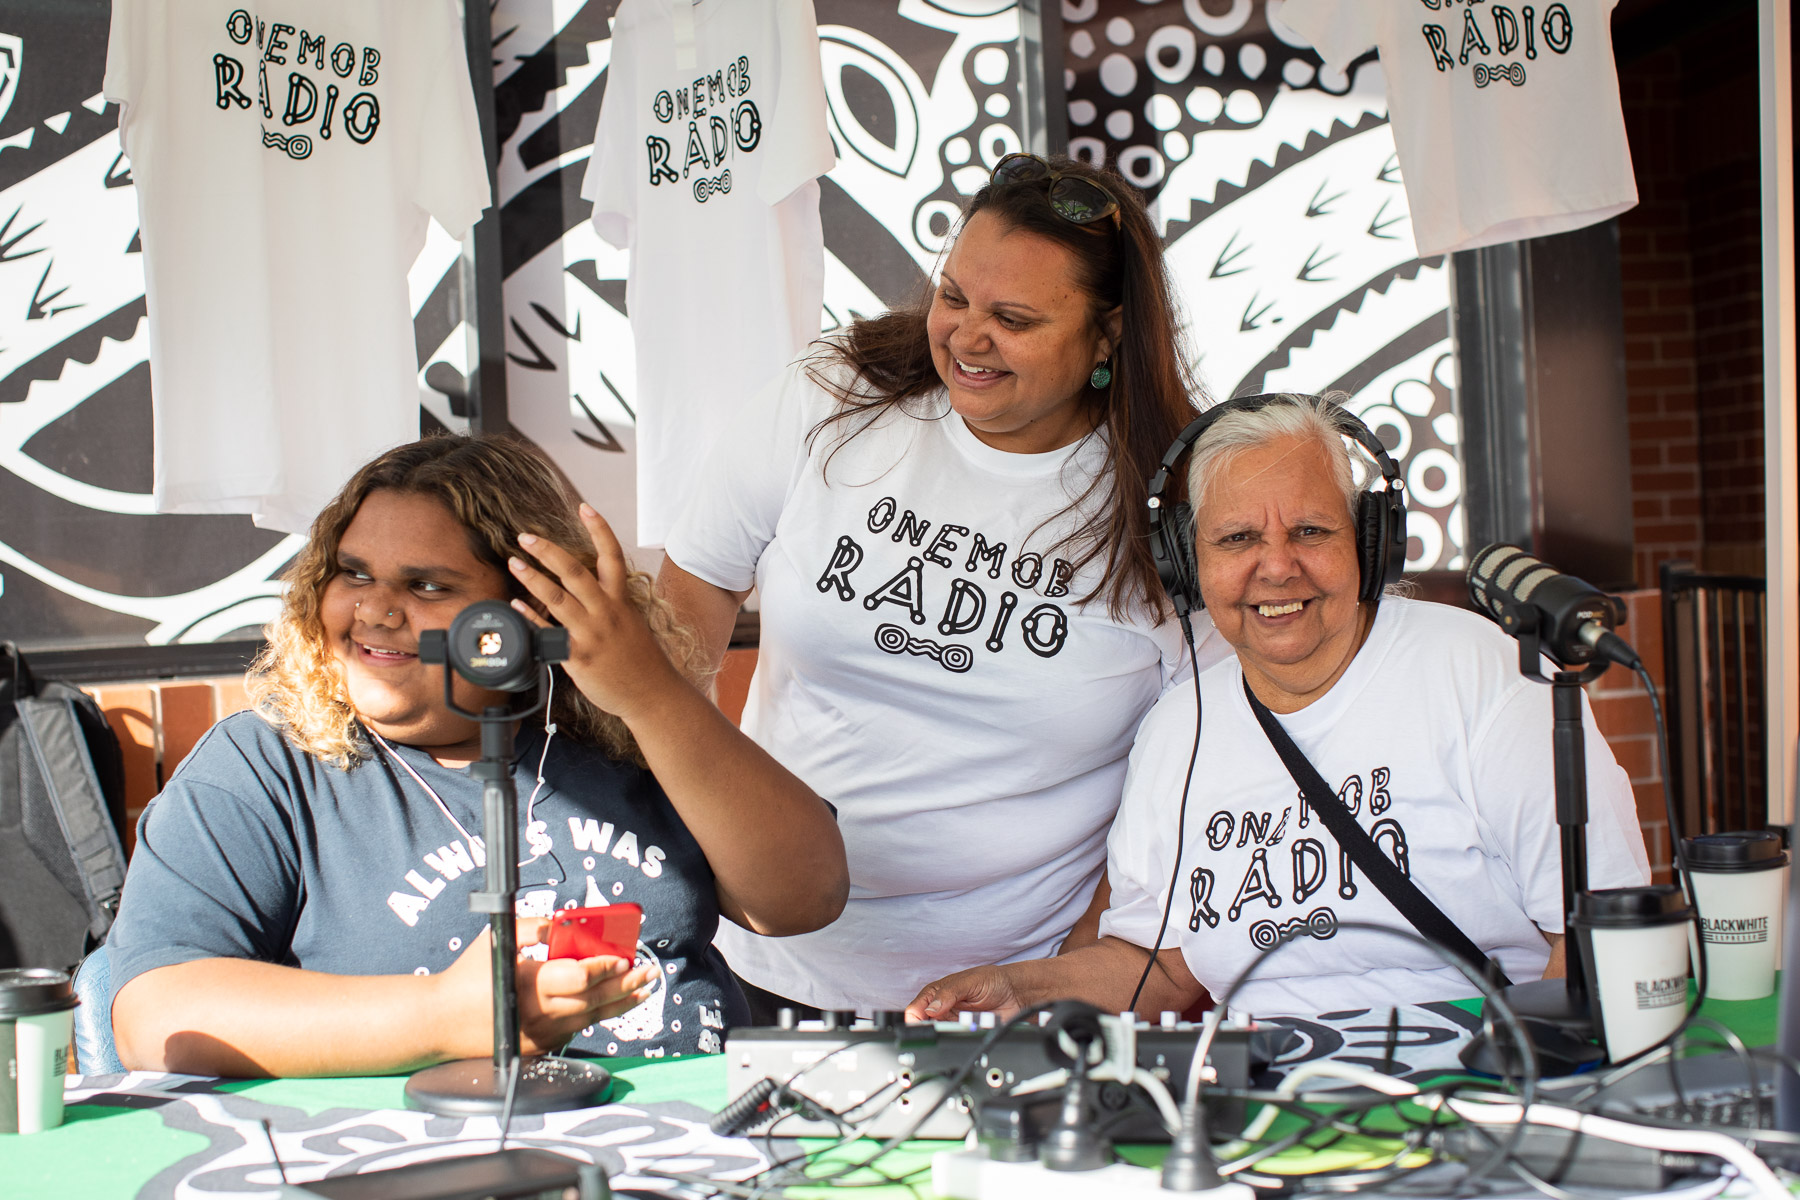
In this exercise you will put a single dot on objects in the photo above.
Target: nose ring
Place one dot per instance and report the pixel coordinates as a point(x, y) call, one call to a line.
point(358, 605)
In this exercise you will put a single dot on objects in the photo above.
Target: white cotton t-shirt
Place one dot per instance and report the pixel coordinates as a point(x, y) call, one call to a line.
point(1506, 118)
point(287, 158)
point(926, 666)
point(705, 166)
point(1439, 747)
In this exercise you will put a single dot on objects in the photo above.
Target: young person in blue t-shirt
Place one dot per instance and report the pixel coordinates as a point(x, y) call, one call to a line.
point(298, 900)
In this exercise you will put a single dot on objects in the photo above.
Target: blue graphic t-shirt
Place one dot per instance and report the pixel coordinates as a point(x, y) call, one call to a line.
point(257, 850)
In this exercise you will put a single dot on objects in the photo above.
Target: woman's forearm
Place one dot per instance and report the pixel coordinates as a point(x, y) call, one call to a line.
point(234, 1017)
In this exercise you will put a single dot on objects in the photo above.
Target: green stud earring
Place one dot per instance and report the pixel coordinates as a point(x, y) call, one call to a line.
point(1101, 377)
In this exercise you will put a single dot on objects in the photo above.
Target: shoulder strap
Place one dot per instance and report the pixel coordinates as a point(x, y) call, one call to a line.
point(64, 761)
point(1413, 904)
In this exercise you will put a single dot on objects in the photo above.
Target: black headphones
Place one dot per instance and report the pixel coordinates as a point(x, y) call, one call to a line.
point(1380, 516)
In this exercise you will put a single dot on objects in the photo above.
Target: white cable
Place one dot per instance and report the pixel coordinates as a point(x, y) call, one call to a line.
point(549, 732)
point(1159, 1092)
point(1209, 1026)
point(1289, 1087)
point(1688, 1141)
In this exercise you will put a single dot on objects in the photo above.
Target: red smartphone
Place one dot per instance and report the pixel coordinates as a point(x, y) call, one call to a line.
point(611, 930)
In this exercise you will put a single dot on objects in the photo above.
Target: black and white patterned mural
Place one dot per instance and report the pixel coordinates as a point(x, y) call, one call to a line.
point(1275, 183)
point(1285, 221)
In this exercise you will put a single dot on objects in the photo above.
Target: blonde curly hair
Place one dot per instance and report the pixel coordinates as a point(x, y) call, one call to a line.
point(496, 487)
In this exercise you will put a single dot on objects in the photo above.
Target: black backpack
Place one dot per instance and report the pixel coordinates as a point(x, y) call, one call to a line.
point(62, 817)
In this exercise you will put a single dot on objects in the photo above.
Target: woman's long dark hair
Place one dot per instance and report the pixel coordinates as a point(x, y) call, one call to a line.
point(1152, 395)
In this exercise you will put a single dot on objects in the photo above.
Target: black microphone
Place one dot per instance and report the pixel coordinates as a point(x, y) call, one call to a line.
point(1572, 618)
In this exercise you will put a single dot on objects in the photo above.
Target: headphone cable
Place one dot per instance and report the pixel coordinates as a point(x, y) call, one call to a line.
point(1187, 629)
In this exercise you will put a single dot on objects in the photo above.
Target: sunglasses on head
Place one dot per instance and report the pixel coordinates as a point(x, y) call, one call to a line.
point(1072, 197)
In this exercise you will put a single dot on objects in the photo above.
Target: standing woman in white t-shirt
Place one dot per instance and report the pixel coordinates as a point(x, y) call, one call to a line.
point(943, 510)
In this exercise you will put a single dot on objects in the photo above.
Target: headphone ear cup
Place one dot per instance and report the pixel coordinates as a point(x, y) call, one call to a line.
point(1190, 563)
point(1371, 546)
point(1380, 542)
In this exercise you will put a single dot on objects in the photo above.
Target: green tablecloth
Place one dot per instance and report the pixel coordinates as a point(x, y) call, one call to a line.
point(109, 1151)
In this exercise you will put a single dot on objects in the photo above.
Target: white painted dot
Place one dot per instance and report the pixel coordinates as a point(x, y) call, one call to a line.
point(612, 1047)
point(587, 864)
point(1333, 80)
point(675, 1026)
point(1298, 72)
point(1204, 104)
point(663, 945)
point(421, 970)
point(1082, 112)
point(456, 943)
point(669, 967)
point(998, 141)
point(1142, 165)
point(1090, 150)
point(1162, 112)
point(992, 65)
point(676, 997)
point(1243, 107)
point(1119, 31)
point(997, 105)
point(618, 889)
point(1252, 58)
point(1068, 80)
point(1119, 124)
point(968, 180)
point(1081, 43)
point(1170, 53)
point(1175, 146)
point(957, 151)
point(1213, 60)
point(571, 902)
point(1118, 74)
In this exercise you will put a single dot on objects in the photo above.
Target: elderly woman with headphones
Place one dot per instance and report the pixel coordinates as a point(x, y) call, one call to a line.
point(1429, 742)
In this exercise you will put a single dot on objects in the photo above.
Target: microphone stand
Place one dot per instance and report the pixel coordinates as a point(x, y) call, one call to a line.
point(479, 1086)
point(1563, 1003)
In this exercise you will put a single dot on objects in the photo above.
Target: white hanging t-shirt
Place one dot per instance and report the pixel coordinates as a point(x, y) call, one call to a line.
point(927, 666)
point(1439, 748)
point(287, 158)
point(711, 140)
point(1506, 116)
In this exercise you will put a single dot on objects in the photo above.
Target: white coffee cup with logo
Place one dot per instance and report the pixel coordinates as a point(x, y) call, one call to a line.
point(1634, 949)
point(36, 1016)
point(1740, 881)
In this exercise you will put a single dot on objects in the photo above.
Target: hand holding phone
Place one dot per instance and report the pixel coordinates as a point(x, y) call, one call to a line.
point(610, 931)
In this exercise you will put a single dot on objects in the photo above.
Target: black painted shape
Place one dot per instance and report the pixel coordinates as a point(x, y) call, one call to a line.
point(610, 290)
point(450, 383)
point(871, 105)
point(64, 64)
point(922, 48)
point(438, 316)
point(104, 440)
point(82, 347)
point(855, 236)
point(528, 88)
point(539, 216)
point(128, 554)
point(37, 615)
point(430, 426)
point(570, 129)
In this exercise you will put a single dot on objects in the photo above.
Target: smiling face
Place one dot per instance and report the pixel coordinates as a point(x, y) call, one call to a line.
point(1014, 338)
point(1276, 548)
point(405, 565)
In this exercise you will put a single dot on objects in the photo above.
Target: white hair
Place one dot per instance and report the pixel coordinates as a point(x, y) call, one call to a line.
point(1288, 416)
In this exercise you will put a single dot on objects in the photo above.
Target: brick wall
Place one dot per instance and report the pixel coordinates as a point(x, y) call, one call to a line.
point(1623, 713)
point(1655, 275)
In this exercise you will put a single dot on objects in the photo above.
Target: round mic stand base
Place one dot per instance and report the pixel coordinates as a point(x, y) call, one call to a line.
point(475, 1087)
